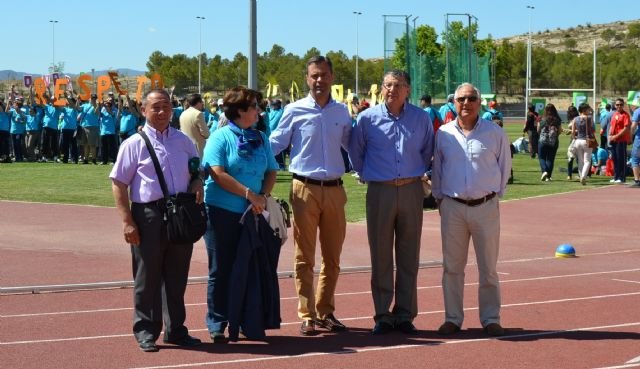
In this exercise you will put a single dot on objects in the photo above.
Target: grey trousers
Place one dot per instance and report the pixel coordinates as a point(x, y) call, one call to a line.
point(482, 224)
point(160, 272)
point(394, 224)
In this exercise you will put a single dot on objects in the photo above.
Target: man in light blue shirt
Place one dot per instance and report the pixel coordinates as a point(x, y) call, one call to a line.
point(471, 165)
point(391, 147)
point(316, 127)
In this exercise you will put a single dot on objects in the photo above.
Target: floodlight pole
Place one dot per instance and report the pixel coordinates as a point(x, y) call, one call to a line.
point(53, 44)
point(253, 46)
point(357, 14)
point(200, 19)
point(528, 71)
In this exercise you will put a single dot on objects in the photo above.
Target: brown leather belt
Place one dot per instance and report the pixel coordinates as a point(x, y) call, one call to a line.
point(475, 202)
point(399, 182)
point(318, 182)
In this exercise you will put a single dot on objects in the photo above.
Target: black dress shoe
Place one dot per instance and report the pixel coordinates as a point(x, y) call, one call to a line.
point(218, 337)
point(308, 328)
point(407, 327)
point(331, 323)
point(148, 346)
point(186, 341)
point(448, 328)
point(382, 328)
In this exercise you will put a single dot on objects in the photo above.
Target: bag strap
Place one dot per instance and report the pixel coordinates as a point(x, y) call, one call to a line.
point(156, 164)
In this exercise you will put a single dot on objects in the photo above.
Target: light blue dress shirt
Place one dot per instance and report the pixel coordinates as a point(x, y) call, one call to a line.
point(315, 135)
point(471, 167)
point(383, 147)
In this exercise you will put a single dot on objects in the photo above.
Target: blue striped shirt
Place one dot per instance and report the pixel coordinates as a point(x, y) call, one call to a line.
point(384, 147)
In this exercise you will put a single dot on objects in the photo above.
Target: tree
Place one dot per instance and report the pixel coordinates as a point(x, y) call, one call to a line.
point(634, 31)
point(570, 43)
point(608, 35)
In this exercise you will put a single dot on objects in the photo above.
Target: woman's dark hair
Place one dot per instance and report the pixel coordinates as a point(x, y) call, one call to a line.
point(572, 112)
point(551, 115)
point(236, 99)
point(584, 107)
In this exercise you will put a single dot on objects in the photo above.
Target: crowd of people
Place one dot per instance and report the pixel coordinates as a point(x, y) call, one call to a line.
point(237, 145)
point(392, 146)
point(610, 157)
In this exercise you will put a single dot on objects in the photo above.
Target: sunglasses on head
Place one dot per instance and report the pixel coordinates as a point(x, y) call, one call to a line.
point(463, 99)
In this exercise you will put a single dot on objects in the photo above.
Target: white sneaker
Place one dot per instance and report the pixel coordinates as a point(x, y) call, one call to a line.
point(544, 176)
point(617, 181)
point(612, 181)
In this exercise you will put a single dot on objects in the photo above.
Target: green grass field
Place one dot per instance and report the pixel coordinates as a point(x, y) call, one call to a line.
point(90, 185)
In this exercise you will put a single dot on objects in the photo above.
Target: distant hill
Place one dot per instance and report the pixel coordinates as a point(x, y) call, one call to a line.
point(13, 75)
point(613, 35)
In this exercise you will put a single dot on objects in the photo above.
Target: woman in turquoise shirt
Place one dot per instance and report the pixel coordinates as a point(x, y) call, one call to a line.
point(243, 172)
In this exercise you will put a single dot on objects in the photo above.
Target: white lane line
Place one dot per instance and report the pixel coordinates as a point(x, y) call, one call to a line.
point(337, 294)
point(385, 348)
point(598, 297)
point(634, 360)
point(625, 280)
point(633, 365)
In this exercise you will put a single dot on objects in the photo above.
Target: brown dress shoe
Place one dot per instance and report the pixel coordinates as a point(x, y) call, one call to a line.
point(494, 330)
point(331, 323)
point(448, 329)
point(308, 328)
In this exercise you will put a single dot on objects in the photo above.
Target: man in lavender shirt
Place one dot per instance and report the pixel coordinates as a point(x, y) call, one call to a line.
point(160, 268)
point(471, 167)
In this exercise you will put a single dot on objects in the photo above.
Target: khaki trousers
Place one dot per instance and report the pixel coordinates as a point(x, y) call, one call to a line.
point(482, 224)
point(317, 207)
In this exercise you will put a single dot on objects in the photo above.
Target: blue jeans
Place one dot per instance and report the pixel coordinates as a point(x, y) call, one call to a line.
point(221, 240)
point(619, 155)
point(546, 156)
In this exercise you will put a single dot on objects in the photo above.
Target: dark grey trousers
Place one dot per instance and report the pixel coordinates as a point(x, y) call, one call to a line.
point(160, 271)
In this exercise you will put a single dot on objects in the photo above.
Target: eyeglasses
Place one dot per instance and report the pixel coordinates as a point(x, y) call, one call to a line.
point(463, 99)
point(389, 86)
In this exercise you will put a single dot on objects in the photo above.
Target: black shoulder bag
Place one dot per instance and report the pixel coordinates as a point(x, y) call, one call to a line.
point(186, 219)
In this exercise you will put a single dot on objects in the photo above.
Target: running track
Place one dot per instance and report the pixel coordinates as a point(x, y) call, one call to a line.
point(559, 313)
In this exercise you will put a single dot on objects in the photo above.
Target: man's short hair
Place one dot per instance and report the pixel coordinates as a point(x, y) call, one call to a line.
point(398, 74)
point(466, 84)
point(319, 59)
point(160, 91)
point(194, 99)
point(426, 98)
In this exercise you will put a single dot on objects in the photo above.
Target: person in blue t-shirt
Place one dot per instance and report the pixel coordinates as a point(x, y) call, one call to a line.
point(605, 121)
point(129, 119)
point(108, 114)
point(243, 173)
point(68, 131)
point(18, 117)
point(33, 132)
point(90, 123)
point(493, 114)
point(50, 139)
point(5, 135)
point(275, 114)
point(635, 148)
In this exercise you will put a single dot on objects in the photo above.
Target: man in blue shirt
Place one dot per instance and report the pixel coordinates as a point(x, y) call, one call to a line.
point(316, 127)
point(605, 120)
point(275, 114)
point(18, 117)
point(50, 130)
point(471, 165)
point(391, 147)
point(635, 148)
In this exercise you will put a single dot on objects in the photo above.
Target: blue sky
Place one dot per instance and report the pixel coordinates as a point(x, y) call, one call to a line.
point(122, 34)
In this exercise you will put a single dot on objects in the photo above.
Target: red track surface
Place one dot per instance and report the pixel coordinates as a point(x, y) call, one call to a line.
point(559, 313)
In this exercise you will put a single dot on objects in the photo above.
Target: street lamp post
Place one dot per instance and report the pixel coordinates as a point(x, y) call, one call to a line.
point(200, 19)
point(53, 44)
point(528, 72)
point(357, 14)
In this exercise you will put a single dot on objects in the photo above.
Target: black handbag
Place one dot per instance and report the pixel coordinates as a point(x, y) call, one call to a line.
point(186, 220)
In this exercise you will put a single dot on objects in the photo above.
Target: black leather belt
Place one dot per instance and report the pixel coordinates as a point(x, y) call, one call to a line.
point(317, 182)
point(475, 202)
